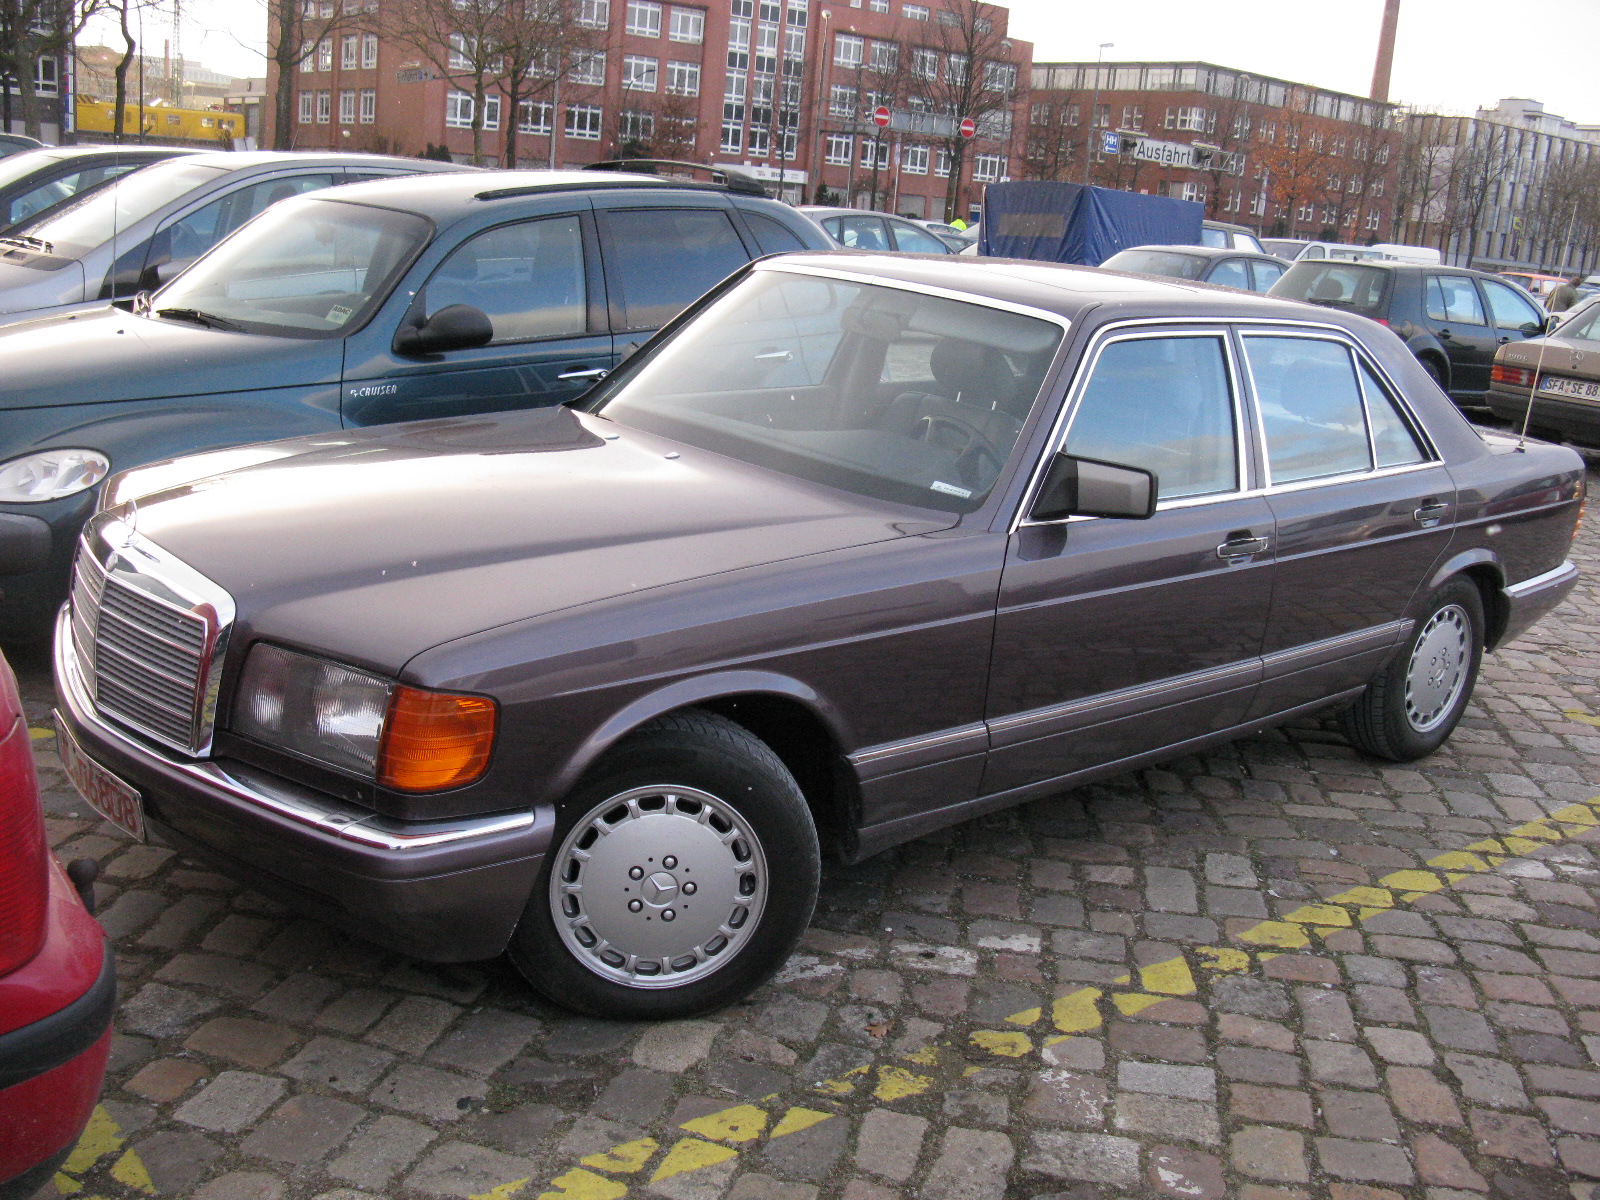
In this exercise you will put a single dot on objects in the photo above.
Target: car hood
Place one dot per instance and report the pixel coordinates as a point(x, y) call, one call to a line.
point(375, 545)
point(23, 289)
point(106, 354)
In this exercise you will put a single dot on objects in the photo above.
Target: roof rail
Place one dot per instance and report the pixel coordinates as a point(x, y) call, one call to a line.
point(734, 181)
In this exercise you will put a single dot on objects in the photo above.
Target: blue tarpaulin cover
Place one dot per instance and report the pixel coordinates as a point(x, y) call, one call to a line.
point(1071, 223)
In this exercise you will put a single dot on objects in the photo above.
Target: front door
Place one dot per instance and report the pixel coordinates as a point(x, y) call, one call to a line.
point(538, 282)
point(1453, 311)
point(1114, 637)
point(1363, 511)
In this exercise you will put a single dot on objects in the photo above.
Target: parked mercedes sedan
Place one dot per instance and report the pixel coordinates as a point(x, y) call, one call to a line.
point(859, 548)
point(1564, 366)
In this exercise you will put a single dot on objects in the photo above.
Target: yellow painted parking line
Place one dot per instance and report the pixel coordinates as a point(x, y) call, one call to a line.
point(102, 1137)
point(39, 733)
point(1577, 714)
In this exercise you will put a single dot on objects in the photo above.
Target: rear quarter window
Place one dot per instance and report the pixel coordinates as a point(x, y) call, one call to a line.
point(1335, 284)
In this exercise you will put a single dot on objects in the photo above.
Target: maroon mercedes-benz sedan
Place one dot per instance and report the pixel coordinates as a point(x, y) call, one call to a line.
point(859, 547)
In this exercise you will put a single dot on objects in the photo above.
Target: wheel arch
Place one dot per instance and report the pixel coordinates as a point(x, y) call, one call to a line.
point(1428, 353)
point(805, 730)
point(1483, 568)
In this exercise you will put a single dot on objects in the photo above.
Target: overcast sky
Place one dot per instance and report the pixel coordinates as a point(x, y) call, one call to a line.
point(1452, 55)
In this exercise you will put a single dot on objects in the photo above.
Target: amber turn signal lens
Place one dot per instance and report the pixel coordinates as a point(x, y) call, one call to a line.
point(435, 740)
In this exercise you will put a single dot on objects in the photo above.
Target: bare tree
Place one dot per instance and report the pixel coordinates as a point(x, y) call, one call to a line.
point(1231, 128)
point(1422, 176)
point(1051, 146)
point(31, 31)
point(976, 79)
point(125, 11)
point(295, 30)
point(535, 44)
point(462, 40)
point(1295, 162)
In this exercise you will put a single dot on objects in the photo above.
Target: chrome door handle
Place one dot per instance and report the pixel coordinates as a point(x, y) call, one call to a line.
point(1429, 512)
point(1242, 547)
point(775, 356)
point(591, 373)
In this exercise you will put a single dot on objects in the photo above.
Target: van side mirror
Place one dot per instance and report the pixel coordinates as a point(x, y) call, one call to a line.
point(453, 327)
point(1087, 487)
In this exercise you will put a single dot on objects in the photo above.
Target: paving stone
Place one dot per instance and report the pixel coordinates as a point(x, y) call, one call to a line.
point(1375, 1162)
point(1154, 1041)
point(1161, 1079)
point(1186, 1120)
point(1420, 1096)
point(1278, 1105)
point(344, 1066)
point(377, 1153)
point(241, 1185)
point(1509, 1135)
point(1441, 1164)
point(889, 1144)
point(165, 1079)
point(250, 1043)
point(430, 1093)
point(1267, 1153)
point(1364, 1116)
point(1067, 1098)
point(161, 1011)
point(675, 1046)
point(414, 1024)
point(304, 1129)
point(1459, 1029)
point(462, 1169)
point(1571, 1115)
point(634, 1095)
point(1404, 1047)
point(810, 1154)
point(1487, 1080)
point(1186, 1174)
point(176, 1160)
point(230, 1102)
point(1093, 1157)
point(755, 1186)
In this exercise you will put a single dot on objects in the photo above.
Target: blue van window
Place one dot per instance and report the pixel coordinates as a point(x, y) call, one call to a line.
point(527, 277)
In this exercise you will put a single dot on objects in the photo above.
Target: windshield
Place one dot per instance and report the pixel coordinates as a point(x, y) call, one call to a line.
point(312, 269)
point(1335, 285)
point(79, 228)
point(886, 393)
point(1283, 247)
point(1158, 262)
point(20, 166)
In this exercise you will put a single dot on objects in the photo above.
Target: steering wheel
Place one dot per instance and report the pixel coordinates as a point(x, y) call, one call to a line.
point(972, 448)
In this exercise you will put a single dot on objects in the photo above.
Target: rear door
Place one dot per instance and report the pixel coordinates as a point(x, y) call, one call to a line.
point(1117, 637)
point(538, 281)
point(1453, 311)
point(1363, 508)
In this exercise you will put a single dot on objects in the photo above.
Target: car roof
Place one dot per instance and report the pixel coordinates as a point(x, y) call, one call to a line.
point(99, 150)
point(1063, 289)
point(243, 160)
point(1206, 252)
point(815, 211)
point(445, 196)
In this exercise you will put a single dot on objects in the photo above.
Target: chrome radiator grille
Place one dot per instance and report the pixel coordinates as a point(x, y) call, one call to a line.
point(145, 653)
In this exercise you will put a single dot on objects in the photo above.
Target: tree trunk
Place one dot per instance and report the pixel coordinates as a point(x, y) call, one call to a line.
point(952, 194)
point(479, 96)
point(513, 95)
point(121, 73)
point(29, 101)
point(286, 54)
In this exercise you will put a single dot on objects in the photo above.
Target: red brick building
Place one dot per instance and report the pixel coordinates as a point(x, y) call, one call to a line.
point(782, 88)
point(1286, 158)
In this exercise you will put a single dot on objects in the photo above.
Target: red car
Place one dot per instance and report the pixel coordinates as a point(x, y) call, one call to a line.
point(57, 986)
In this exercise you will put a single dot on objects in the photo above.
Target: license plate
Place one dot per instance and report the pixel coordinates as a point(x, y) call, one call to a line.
point(106, 794)
point(1571, 387)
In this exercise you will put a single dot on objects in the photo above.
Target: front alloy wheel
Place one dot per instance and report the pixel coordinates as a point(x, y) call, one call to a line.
point(685, 870)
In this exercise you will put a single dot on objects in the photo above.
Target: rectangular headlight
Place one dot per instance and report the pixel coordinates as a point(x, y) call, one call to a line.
point(318, 709)
point(406, 738)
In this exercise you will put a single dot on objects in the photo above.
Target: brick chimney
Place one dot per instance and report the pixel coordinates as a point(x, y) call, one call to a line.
point(1385, 64)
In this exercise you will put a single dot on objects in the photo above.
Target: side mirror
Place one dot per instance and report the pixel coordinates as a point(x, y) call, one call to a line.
point(453, 327)
point(1086, 487)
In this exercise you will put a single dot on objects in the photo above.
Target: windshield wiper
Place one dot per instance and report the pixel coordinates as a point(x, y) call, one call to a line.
point(28, 242)
point(194, 315)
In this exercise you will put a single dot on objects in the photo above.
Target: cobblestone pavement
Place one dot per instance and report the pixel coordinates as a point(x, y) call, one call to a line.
point(1276, 972)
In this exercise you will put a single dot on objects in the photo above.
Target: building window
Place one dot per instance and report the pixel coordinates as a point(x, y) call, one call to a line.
point(925, 64)
point(458, 111)
point(584, 121)
point(842, 101)
point(639, 73)
point(349, 52)
point(914, 160)
point(347, 108)
point(308, 107)
point(636, 126)
point(1133, 116)
point(848, 50)
point(369, 51)
point(683, 79)
point(594, 14)
point(644, 18)
point(325, 55)
point(688, 25)
point(955, 68)
point(839, 148)
point(308, 57)
point(533, 116)
point(1189, 191)
point(458, 53)
point(988, 168)
point(588, 66)
point(760, 142)
point(874, 149)
point(1000, 77)
point(46, 76)
point(369, 106)
point(914, 12)
point(884, 56)
point(324, 107)
point(996, 125)
point(732, 137)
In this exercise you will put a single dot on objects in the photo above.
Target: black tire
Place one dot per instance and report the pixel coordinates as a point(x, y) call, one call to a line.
point(697, 783)
point(1435, 373)
point(1387, 721)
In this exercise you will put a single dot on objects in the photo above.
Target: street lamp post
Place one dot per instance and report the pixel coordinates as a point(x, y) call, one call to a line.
point(1094, 110)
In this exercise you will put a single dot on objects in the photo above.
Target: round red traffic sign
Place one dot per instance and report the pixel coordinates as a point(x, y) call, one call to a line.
point(968, 127)
point(880, 117)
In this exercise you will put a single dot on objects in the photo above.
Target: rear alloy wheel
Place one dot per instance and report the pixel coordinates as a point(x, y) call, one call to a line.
point(684, 872)
point(1413, 705)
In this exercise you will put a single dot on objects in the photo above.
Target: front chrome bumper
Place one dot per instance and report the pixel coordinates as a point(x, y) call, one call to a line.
point(444, 890)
